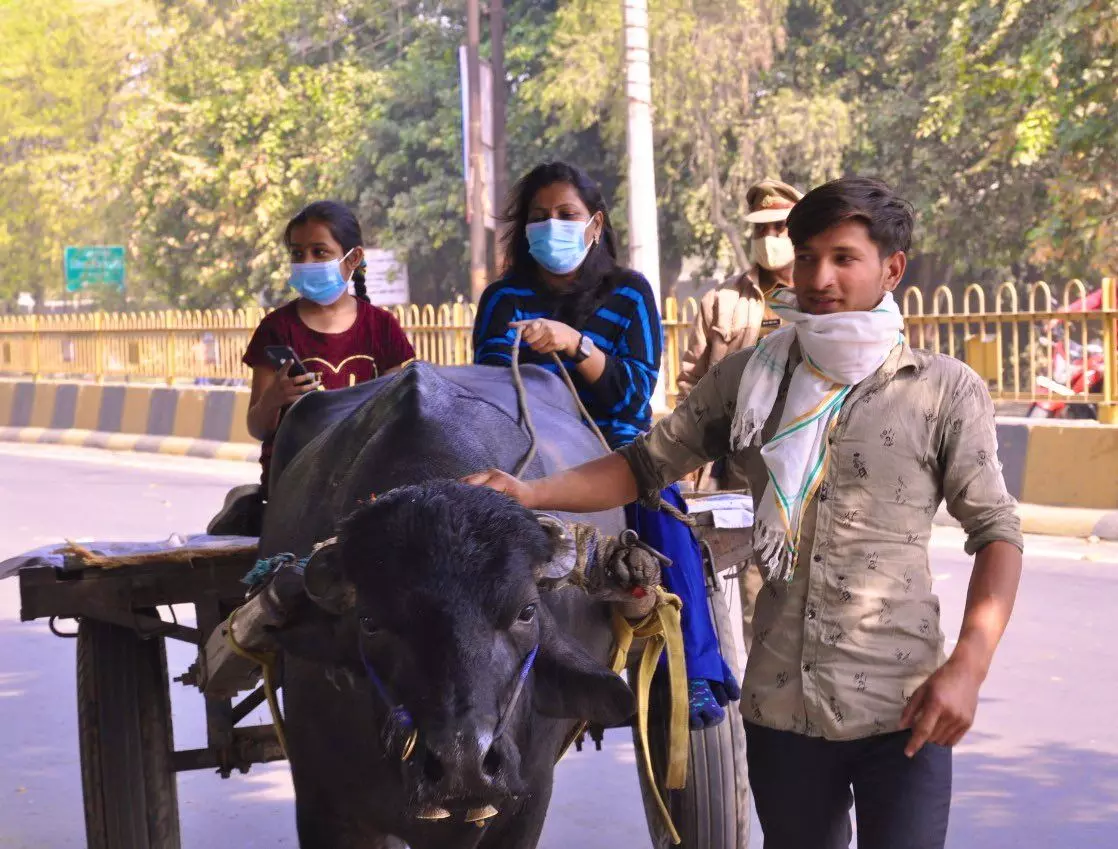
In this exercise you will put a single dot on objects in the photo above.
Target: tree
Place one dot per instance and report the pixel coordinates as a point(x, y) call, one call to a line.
point(69, 72)
point(722, 120)
point(408, 165)
point(996, 117)
point(258, 109)
point(192, 130)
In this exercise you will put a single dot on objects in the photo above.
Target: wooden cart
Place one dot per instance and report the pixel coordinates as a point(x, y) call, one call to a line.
point(128, 758)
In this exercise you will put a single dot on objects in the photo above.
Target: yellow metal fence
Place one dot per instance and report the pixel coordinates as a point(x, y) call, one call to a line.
point(1013, 336)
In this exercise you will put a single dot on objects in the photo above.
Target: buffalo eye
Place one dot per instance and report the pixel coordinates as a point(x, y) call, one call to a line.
point(368, 626)
point(527, 614)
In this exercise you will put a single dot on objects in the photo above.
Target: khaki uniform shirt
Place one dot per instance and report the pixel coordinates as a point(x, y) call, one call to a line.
point(731, 318)
point(838, 652)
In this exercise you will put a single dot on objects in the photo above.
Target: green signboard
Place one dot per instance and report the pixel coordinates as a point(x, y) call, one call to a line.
point(91, 266)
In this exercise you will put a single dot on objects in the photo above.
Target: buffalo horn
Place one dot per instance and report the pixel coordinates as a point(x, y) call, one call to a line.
point(555, 571)
point(324, 582)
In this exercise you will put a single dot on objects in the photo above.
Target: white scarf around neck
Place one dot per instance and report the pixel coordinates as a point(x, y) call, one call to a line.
point(839, 351)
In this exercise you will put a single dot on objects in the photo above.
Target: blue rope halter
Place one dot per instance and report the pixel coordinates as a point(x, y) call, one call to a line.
point(400, 719)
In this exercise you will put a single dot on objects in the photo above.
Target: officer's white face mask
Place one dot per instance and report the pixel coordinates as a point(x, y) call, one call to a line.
point(772, 252)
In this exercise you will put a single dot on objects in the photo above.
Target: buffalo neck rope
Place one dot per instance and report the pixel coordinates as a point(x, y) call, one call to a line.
point(839, 351)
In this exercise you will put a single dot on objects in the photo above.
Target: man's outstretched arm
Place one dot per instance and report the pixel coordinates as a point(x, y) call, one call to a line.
point(695, 432)
point(601, 484)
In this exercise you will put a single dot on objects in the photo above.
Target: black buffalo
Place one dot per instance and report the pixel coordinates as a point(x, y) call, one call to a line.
point(429, 616)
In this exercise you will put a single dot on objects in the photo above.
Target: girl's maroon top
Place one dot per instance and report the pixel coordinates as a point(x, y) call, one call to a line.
point(374, 344)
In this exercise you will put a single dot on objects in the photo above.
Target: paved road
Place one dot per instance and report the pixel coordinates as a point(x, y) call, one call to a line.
point(1039, 770)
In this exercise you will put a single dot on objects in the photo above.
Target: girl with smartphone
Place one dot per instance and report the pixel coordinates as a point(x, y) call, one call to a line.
point(339, 339)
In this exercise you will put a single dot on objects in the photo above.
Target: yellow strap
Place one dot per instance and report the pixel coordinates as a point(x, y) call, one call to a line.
point(267, 662)
point(661, 628)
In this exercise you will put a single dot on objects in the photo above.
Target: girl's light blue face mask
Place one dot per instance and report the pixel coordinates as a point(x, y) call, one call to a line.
point(321, 282)
point(559, 246)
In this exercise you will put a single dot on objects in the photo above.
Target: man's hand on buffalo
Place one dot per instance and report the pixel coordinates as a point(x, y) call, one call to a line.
point(511, 486)
point(601, 484)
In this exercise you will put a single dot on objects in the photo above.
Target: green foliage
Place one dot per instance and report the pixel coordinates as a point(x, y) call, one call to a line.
point(721, 120)
point(191, 130)
point(259, 111)
point(996, 117)
point(68, 70)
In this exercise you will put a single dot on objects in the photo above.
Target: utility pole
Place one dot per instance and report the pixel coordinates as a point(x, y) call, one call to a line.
point(644, 236)
point(497, 60)
point(478, 264)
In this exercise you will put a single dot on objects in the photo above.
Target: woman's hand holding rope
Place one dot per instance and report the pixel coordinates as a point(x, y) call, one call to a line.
point(545, 336)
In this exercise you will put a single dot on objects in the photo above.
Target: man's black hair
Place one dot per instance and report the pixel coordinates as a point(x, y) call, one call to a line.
point(887, 216)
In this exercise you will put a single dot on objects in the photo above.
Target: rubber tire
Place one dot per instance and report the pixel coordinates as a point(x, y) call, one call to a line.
point(712, 811)
point(125, 738)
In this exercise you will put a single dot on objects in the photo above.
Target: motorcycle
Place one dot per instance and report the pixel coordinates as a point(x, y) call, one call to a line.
point(1075, 370)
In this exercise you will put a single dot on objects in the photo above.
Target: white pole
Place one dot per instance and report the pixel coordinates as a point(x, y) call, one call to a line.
point(644, 238)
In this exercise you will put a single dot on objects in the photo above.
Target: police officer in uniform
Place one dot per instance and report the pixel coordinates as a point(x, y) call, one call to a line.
point(735, 316)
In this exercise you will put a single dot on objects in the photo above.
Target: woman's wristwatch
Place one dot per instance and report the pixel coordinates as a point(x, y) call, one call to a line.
point(585, 348)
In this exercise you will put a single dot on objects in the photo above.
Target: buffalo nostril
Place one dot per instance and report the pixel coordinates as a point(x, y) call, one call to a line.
point(433, 768)
point(491, 763)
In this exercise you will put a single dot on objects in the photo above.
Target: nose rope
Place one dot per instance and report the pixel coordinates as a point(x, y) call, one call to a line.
point(399, 718)
point(506, 715)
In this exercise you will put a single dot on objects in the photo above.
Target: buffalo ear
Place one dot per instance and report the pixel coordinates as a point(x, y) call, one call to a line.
point(564, 557)
point(571, 684)
point(324, 580)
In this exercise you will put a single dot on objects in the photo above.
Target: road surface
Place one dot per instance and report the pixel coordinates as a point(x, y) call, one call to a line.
point(1040, 768)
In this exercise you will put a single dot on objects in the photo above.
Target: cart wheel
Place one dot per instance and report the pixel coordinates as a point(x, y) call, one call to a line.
point(124, 728)
point(712, 811)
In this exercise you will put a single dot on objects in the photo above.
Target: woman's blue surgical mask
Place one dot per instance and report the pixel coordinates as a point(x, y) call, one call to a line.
point(321, 282)
point(559, 246)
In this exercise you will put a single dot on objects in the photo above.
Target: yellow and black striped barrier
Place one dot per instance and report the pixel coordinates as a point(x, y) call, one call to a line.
point(189, 421)
point(1056, 463)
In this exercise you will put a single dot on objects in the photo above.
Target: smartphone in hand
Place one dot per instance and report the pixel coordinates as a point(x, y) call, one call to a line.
point(280, 355)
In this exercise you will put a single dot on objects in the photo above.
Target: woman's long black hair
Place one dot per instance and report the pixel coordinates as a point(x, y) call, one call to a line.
point(599, 274)
point(343, 226)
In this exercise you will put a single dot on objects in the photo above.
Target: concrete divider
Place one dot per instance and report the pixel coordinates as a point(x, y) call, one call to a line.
point(1061, 463)
point(191, 421)
point(1055, 463)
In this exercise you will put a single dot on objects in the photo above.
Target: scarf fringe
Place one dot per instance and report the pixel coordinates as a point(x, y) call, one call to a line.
point(747, 429)
point(774, 553)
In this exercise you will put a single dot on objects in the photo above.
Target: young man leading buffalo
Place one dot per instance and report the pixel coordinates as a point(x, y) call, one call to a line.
point(851, 440)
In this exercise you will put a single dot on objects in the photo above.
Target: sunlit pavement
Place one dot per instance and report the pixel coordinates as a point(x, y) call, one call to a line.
point(1040, 769)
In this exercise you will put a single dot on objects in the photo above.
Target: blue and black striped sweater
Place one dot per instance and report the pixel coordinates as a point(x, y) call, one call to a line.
point(626, 327)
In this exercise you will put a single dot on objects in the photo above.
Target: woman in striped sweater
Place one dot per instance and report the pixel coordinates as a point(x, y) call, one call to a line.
point(566, 291)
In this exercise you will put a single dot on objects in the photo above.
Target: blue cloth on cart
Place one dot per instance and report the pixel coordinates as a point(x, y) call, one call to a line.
point(685, 579)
